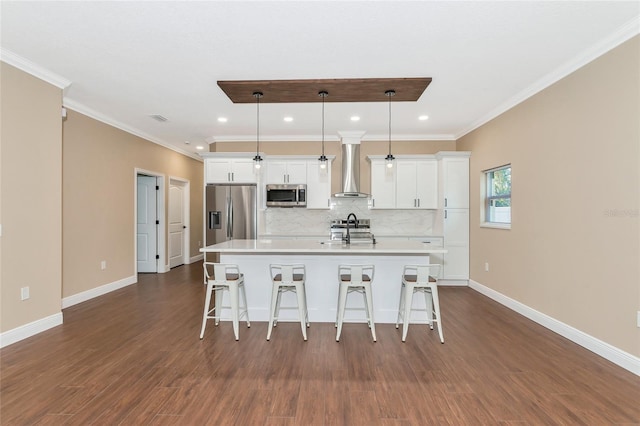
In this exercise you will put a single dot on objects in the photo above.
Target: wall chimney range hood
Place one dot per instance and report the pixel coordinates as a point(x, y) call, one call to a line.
point(351, 165)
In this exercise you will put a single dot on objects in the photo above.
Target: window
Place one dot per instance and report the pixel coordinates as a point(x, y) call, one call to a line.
point(497, 200)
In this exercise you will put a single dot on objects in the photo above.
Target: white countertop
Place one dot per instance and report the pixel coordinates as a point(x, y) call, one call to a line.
point(302, 246)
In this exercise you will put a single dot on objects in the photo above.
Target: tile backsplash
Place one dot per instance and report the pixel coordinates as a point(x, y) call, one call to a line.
point(296, 221)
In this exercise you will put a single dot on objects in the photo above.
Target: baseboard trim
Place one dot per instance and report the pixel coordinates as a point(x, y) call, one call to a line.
point(195, 259)
point(617, 356)
point(98, 291)
point(453, 283)
point(31, 329)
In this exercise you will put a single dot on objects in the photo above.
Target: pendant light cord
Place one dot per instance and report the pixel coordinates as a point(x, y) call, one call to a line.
point(389, 96)
point(258, 96)
point(323, 95)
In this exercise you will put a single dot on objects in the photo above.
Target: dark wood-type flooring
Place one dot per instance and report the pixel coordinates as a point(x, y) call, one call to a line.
point(133, 357)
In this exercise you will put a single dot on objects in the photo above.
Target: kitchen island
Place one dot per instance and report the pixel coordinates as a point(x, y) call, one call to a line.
point(321, 258)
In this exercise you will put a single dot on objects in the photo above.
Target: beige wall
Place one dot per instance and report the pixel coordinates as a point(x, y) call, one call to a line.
point(98, 203)
point(31, 188)
point(334, 148)
point(573, 250)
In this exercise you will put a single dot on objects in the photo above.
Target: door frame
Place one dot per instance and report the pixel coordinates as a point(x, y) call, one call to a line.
point(160, 209)
point(186, 199)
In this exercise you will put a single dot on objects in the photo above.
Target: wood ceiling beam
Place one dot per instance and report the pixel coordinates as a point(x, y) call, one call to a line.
point(340, 90)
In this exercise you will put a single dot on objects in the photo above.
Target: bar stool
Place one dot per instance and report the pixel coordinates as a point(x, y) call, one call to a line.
point(288, 278)
point(355, 279)
point(420, 278)
point(226, 277)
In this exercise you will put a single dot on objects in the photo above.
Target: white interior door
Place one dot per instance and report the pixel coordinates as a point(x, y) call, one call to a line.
point(177, 225)
point(147, 228)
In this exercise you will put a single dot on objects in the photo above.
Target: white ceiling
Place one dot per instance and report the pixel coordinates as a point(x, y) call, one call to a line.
point(128, 60)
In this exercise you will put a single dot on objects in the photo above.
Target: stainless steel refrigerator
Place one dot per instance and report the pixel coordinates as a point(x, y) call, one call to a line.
point(231, 213)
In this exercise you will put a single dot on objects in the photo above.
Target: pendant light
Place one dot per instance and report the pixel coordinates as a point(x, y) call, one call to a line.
point(390, 157)
point(323, 158)
point(257, 159)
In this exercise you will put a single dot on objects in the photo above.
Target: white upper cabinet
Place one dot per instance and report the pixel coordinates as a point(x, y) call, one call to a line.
point(287, 171)
point(455, 182)
point(383, 185)
point(411, 184)
point(318, 185)
point(416, 184)
point(229, 170)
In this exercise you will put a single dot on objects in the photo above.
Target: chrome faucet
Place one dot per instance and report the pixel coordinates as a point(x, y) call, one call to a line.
point(355, 221)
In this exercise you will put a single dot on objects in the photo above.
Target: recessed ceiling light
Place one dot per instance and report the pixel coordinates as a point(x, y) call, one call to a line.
point(355, 118)
point(187, 142)
point(423, 117)
point(222, 119)
point(288, 119)
point(200, 147)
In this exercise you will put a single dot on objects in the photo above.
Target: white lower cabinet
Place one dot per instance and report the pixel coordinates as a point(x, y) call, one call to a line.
point(456, 241)
point(434, 258)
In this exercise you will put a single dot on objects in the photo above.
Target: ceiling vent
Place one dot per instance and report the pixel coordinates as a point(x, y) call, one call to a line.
point(158, 117)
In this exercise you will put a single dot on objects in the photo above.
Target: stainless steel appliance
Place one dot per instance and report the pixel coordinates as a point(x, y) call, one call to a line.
point(358, 230)
point(287, 195)
point(231, 213)
point(351, 172)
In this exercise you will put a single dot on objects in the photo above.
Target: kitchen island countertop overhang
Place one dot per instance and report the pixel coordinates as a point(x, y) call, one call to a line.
point(321, 259)
point(322, 246)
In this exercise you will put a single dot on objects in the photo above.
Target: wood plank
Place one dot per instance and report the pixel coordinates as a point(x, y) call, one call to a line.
point(340, 90)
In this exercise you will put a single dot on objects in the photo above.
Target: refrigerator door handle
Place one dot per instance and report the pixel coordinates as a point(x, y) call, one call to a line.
point(230, 220)
point(228, 205)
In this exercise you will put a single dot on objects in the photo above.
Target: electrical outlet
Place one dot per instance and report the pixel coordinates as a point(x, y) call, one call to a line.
point(24, 293)
point(103, 265)
point(486, 266)
point(638, 319)
point(199, 243)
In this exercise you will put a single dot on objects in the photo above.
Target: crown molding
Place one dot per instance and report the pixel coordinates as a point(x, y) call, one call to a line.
point(307, 138)
point(83, 109)
point(624, 33)
point(410, 138)
point(34, 69)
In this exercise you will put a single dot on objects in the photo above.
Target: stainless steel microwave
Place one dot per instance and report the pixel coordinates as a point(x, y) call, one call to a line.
point(286, 195)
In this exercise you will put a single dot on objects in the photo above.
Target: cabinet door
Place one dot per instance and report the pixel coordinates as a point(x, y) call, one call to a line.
point(243, 171)
point(293, 172)
point(456, 182)
point(456, 241)
point(406, 185)
point(456, 263)
point(218, 170)
point(318, 186)
point(277, 172)
point(297, 172)
point(427, 184)
point(383, 185)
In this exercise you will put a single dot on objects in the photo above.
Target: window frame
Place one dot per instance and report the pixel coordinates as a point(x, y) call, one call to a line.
point(487, 199)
